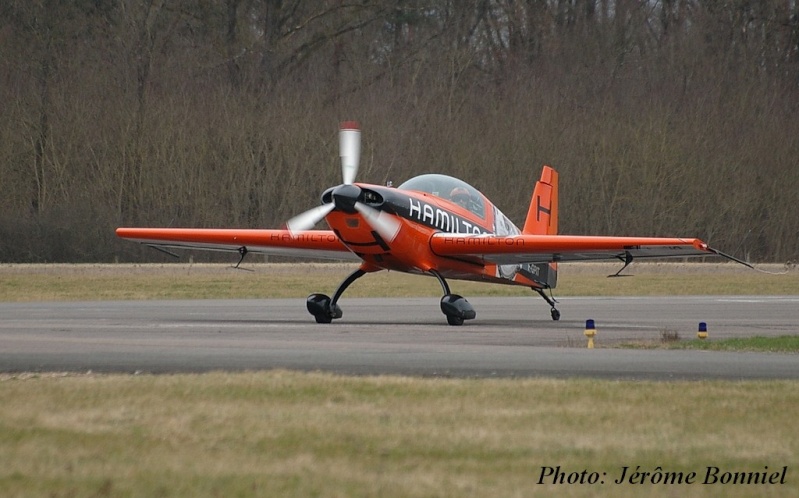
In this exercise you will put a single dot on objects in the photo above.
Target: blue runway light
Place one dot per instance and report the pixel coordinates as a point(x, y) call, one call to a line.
point(590, 332)
point(701, 333)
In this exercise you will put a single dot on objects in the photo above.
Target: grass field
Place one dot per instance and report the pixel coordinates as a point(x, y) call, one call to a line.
point(201, 281)
point(283, 433)
point(779, 344)
point(290, 434)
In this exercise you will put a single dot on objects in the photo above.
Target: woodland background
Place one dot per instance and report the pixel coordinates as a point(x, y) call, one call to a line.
point(664, 118)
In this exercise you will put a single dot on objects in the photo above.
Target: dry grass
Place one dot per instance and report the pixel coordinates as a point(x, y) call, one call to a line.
point(293, 434)
point(199, 281)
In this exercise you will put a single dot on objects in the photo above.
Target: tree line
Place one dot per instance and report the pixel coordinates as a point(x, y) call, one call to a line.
point(664, 118)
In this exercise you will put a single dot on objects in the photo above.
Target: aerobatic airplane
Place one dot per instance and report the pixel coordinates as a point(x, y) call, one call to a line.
point(432, 225)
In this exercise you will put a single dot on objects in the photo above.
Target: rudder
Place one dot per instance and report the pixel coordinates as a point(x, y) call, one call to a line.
point(542, 216)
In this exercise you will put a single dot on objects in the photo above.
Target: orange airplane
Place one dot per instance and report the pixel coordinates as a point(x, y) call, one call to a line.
point(432, 225)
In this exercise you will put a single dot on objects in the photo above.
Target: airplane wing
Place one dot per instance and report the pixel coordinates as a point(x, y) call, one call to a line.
point(322, 244)
point(516, 249)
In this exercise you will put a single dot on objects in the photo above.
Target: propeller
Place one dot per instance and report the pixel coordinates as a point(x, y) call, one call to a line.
point(306, 220)
point(345, 196)
point(383, 223)
point(349, 142)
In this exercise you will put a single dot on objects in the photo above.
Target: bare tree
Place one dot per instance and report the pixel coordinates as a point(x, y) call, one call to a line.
point(663, 117)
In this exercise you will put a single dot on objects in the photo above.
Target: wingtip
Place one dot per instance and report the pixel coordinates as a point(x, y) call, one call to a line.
point(350, 125)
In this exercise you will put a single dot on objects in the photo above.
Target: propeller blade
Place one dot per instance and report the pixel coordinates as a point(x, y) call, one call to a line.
point(383, 223)
point(349, 141)
point(307, 220)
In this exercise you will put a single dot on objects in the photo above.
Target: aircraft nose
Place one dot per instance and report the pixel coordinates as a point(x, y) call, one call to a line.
point(345, 196)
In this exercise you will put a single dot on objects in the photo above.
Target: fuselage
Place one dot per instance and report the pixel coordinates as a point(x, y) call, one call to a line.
point(423, 206)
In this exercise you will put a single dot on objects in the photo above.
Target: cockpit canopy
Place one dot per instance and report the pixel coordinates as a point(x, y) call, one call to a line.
point(448, 188)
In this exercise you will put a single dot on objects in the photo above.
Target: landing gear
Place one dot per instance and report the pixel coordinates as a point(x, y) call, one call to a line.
point(319, 305)
point(324, 309)
point(455, 307)
point(554, 311)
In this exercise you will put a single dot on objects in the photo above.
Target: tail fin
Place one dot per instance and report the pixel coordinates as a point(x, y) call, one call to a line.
point(542, 217)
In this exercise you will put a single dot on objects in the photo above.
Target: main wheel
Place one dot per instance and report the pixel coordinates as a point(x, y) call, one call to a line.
point(456, 309)
point(319, 306)
point(555, 314)
point(454, 320)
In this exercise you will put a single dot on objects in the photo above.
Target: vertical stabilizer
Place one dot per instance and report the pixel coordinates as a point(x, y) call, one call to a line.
point(542, 217)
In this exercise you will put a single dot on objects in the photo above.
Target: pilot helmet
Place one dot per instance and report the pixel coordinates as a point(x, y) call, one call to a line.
point(459, 195)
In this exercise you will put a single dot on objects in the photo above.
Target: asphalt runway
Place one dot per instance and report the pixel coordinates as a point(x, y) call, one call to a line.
point(511, 337)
